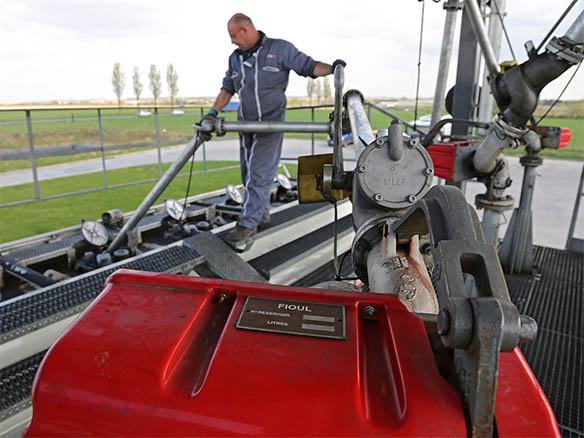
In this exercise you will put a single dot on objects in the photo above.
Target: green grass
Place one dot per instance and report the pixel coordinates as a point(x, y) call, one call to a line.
point(30, 219)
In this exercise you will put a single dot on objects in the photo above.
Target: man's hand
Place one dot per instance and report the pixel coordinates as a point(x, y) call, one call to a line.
point(211, 115)
point(337, 62)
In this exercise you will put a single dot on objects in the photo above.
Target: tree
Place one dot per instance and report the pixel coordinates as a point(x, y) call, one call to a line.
point(310, 89)
point(137, 84)
point(318, 90)
point(155, 83)
point(171, 80)
point(326, 89)
point(118, 82)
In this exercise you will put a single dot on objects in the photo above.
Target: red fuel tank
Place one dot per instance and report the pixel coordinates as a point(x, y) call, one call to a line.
point(164, 355)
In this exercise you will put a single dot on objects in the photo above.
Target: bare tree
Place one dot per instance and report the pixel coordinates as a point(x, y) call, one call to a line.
point(118, 82)
point(310, 89)
point(137, 84)
point(155, 83)
point(318, 90)
point(326, 89)
point(171, 80)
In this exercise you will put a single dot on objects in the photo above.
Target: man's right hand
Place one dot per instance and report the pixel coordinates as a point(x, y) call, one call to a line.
point(211, 115)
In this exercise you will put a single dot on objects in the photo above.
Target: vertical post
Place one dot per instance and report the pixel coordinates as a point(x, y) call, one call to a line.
point(369, 112)
point(204, 157)
point(570, 244)
point(452, 8)
point(101, 147)
point(158, 143)
point(495, 29)
point(312, 145)
point(35, 178)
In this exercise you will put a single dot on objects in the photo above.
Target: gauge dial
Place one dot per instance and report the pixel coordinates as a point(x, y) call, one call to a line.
point(284, 181)
point(95, 233)
point(174, 209)
point(234, 194)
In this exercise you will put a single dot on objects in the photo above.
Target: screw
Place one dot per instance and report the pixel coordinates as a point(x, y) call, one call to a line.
point(362, 169)
point(428, 171)
point(379, 142)
point(408, 290)
point(378, 197)
point(443, 324)
point(222, 298)
point(412, 198)
point(413, 143)
point(369, 311)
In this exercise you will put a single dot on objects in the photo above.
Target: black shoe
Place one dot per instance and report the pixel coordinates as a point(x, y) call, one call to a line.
point(240, 234)
point(265, 224)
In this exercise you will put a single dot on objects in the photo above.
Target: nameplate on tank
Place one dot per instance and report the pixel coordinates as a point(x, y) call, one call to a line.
point(293, 317)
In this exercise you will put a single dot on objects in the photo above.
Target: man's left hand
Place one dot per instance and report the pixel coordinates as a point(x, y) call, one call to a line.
point(337, 62)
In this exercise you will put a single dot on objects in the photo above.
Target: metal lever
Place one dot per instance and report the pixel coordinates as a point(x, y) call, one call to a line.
point(477, 327)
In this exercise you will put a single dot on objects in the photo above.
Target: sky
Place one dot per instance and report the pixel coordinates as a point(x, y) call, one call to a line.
point(66, 49)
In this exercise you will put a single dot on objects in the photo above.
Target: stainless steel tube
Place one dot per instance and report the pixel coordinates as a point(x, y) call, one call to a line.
point(267, 126)
point(478, 27)
point(156, 191)
point(576, 30)
point(338, 173)
point(360, 126)
point(444, 65)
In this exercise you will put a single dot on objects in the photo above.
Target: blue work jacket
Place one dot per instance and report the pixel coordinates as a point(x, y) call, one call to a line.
point(261, 79)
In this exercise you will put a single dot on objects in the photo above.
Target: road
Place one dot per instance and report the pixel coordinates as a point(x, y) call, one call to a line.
point(553, 201)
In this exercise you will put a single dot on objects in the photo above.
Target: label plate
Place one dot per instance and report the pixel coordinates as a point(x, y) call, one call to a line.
point(293, 317)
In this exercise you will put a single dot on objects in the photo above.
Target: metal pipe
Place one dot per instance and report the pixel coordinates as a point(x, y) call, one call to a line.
point(158, 143)
point(312, 135)
point(478, 27)
point(360, 126)
point(575, 211)
point(452, 8)
point(338, 171)
point(101, 147)
point(156, 191)
point(35, 178)
point(486, 100)
point(576, 31)
point(268, 126)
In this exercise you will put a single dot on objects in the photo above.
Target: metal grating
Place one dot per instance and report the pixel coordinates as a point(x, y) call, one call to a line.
point(45, 250)
point(58, 302)
point(15, 384)
point(554, 297)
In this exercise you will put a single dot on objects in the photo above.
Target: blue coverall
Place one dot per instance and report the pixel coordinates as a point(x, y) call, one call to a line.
point(260, 77)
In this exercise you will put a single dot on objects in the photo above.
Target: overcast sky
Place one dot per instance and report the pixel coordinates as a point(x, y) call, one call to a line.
point(66, 49)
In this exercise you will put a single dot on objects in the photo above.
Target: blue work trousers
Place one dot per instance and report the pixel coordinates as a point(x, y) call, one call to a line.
point(259, 157)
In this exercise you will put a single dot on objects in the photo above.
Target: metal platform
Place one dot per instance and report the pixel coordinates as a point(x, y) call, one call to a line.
point(555, 298)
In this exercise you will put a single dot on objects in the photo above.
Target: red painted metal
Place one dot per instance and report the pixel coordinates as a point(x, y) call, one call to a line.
point(443, 156)
point(565, 136)
point(159, 355)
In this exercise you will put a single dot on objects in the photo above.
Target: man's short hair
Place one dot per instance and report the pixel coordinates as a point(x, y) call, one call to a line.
point(240, 19)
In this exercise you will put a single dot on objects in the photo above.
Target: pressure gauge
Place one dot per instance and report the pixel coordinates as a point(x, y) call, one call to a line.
point(234, 194)
point(284, 181)
point(174, 209)
point(94, 232)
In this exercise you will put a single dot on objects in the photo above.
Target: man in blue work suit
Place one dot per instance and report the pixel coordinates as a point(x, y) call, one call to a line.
point(258, 72)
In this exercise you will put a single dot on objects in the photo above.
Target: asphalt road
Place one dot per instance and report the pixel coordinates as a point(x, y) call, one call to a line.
point(553, 201)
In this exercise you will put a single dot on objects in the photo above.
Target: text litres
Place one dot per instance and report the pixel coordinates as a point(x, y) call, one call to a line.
point(297, 307)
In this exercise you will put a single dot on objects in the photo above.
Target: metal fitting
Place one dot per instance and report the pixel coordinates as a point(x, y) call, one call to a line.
point(408, 291)
point(379, 142)
point(528, 330)
point(222, 298)
point(443, 323)
point(378, 197)
point(428, 171)
point(368, 312)
point(413, 142)
point(362, 169)
point(412, 198)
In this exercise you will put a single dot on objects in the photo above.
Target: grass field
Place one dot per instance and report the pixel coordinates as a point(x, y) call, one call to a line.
point(30, 219)
point(123, 127)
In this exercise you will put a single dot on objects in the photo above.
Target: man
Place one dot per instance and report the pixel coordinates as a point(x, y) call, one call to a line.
point(258, 72)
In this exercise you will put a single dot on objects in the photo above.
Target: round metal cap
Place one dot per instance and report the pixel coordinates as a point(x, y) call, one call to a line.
point(174, 209)
point(234, 194)
point(284, 181)
point(393, 184)
point(94, 232)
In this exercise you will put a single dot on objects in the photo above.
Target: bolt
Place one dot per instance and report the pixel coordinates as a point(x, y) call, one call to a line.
point(528, 330)
point(408, 291)
point(378, 197)
point(443, 324)
point(369, 311)
point(407, 277)
point(379, 142)
point(222, 298)
point(362, 169)
point(413, 143)
point(412, 198)
point(428, 171)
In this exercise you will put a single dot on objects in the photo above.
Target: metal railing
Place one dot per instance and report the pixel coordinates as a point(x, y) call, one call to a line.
point(68, 150)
